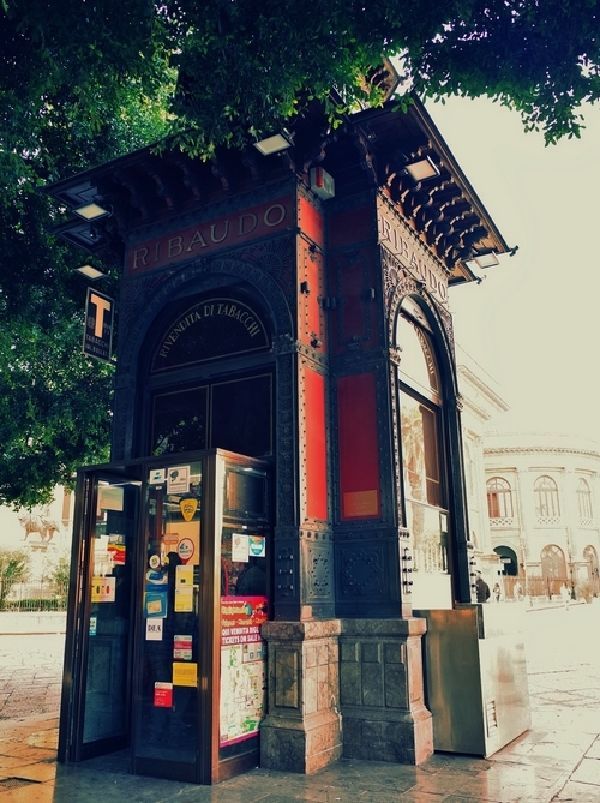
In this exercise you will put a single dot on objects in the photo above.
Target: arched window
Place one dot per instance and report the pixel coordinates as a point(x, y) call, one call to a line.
point(191, 404)
point(545, 491)
point(553, 562)
point(419, 396)
point(584, 499)
point(499, 498)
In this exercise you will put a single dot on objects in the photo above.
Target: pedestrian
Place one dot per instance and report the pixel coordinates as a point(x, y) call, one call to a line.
point(497, 591)
point(482, 589)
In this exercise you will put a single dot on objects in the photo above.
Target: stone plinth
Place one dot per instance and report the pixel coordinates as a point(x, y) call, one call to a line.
point(382, 691)
point(302, 730)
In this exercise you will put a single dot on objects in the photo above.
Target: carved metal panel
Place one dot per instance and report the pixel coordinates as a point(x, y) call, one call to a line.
point(362, 571)
point(317, 569)
point(286, 580)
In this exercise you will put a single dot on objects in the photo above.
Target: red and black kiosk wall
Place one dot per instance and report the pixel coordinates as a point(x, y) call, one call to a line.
point(312, 335)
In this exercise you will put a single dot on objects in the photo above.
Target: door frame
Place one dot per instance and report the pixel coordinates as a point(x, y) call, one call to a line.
point(71, 747)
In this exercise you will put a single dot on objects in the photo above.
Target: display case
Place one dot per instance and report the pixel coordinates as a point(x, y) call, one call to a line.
point(170, 586)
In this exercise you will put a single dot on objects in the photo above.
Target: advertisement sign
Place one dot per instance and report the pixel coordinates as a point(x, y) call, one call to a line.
point(257, 546)
point(243, 668)
point(178, 479)
point(103, 589)
point(155, 605)
point(239, 548)
point(98, 326)
point(163, 695)
point(188, 508)
point(154, 629)
point(116, 548)
point(182, 648)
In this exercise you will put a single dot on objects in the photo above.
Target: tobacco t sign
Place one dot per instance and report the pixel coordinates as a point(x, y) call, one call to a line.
point(98, 328)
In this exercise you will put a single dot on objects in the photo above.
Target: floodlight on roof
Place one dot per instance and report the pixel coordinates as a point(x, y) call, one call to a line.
point(487, 260)
point(92, 211)
point(274, 144)
point(422, 169)
point(90, 272)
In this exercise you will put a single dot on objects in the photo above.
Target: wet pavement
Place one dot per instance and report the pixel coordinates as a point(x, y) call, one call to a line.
point(557, 760)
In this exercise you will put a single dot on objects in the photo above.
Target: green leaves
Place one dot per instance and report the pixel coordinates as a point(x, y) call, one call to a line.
point(14, 568)
point(82, 83)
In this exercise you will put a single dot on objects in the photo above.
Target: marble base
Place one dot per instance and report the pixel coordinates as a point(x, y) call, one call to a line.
point(382, 691)
point(302, 730)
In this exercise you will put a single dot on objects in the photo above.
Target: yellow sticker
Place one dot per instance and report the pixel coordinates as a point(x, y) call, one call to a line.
point(188, 507)
point(185, 674)
point(184, 599)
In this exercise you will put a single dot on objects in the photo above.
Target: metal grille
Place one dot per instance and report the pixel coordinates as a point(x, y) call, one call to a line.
point(491, 716)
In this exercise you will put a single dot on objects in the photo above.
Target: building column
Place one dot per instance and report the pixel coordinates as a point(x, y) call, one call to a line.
point(302, 731)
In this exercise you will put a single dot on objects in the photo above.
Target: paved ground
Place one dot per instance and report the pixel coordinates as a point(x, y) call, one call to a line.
point(557, 760)
point(30, 674)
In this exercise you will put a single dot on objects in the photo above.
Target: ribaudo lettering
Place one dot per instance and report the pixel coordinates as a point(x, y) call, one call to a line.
point(400, 244)
point(211, 235)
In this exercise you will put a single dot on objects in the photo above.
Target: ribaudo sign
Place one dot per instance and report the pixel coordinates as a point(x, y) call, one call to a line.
point(209, 236)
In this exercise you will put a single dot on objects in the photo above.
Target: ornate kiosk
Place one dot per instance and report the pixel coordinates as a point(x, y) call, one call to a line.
point(293, 307)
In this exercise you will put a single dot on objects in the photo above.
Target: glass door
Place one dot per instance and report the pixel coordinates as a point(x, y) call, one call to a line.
point(168, 742)
point(95, 710)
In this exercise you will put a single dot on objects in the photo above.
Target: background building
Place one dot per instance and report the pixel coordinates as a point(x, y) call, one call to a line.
point(481, 406)
point(542, 500)
point(532, 499)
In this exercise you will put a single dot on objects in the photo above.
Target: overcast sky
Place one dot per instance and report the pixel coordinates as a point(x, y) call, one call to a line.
point(533, 323)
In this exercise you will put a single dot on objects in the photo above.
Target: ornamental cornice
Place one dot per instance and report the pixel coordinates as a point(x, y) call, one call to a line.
point(540, 450)
point(483, 387)
point(475, 408)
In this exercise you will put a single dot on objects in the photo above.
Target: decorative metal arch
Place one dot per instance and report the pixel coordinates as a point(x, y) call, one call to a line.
point(143, 300)
point(197, 276)
point(438, 319)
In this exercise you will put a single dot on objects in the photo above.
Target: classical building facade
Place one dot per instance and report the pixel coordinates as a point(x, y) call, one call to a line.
point(482, 408)
point(543, 506)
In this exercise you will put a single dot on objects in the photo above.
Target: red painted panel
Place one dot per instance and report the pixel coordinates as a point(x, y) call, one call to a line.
point(360, 490)
point(352, 311)
point(310, 221)
point(355, 319)
point(316, 455)
point(353, 225)
point(311, 322)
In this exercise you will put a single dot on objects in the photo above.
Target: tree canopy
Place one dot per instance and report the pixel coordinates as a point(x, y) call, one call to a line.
point(83, 81)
